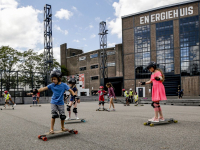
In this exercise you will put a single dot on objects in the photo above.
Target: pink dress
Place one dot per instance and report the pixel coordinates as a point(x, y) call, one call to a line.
point(158, 89)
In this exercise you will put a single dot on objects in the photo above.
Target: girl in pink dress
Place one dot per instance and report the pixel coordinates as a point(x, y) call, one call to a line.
point(158, 90)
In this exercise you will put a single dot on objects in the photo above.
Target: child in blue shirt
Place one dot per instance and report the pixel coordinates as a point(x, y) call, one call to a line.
point(57, 101)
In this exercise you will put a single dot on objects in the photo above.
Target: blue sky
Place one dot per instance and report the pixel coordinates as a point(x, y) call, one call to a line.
point(75, 22)
point(82, 26)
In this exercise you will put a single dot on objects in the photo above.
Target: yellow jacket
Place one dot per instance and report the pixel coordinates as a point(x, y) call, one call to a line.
point(7, 96)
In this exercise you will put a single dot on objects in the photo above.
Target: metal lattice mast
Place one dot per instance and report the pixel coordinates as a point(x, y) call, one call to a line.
point(103, 45)
point(48, 45)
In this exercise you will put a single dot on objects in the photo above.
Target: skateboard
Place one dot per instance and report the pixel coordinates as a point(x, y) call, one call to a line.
point(126, 105)
point(137, 105)
point(101, 109)
point(8, 107)
point(35, 105)
point(169, 120)
point(74, 120)
point(44, 136)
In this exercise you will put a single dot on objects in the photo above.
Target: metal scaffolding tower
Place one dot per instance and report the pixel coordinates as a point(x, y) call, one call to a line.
point(48, 45)
point(103, 55)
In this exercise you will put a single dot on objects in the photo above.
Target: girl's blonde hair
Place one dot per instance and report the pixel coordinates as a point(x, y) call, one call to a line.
point(163, 76)
point(110, 85)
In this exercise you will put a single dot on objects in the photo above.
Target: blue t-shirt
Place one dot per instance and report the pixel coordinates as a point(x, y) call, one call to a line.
point(58, 90)
point(72, 97)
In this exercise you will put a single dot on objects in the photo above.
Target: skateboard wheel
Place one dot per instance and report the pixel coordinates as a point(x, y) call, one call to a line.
point(175, 121)
point(13, 108)
point(145, 123)
point(39, 137)
point(75, 132)
point(44, 138)
point(151, 125)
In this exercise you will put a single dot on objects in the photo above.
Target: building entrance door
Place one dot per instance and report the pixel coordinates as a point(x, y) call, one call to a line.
point(140, 92)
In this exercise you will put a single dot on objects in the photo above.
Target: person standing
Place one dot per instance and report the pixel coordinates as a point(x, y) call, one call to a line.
point(158, 90)
point(111, 95)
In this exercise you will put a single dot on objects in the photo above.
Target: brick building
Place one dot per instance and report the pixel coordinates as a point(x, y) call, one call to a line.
point(168, 35)
point(88, 64)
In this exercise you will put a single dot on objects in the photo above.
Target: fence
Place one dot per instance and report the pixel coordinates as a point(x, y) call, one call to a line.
point(19, 83)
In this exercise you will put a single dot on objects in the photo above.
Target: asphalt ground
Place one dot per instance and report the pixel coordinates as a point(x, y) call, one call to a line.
point(119, 130)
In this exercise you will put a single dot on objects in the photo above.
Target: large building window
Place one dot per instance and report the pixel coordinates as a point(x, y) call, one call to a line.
point(189, 46)
point(93, 66)
point(82, 68)
point(94, 55)
point(142, 51)
point(165, 46)
point(95, 78)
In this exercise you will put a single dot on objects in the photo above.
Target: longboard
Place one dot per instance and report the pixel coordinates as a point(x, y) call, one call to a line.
point(44, 136)
point(74, 120)
point(101, 109)
point(168, 120)
point(35, 105)
point(8, 108)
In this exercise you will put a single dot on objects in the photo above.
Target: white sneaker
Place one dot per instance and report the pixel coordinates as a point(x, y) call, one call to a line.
point(77, 118)
point(14, 105)
point(68, 118)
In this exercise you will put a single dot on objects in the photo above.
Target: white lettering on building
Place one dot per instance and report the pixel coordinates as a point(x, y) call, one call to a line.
point(167, 15)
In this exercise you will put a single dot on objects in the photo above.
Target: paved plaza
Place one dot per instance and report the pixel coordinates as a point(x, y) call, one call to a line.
point(120, 130)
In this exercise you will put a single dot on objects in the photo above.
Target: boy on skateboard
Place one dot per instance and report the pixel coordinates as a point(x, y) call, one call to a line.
point(101, 93)
point(34, 97)
point(158, 90)
point(7, 98)
point(57, 102)
point(73, 100)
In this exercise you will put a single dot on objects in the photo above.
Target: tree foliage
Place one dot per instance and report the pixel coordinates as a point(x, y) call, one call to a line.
point(29, 64)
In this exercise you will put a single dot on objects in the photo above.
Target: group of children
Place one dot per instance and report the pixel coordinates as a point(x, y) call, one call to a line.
point(111, 95)
point(129, 97)
point(58, 88)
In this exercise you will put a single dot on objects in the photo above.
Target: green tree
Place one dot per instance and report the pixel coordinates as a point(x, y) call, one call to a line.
point(9, 62)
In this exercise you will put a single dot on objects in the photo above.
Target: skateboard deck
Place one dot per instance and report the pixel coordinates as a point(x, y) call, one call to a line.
point(44, 136)
point(168, 120)
point(35, 105)
point(75, 120)
point(101, 109)
point(8, 108)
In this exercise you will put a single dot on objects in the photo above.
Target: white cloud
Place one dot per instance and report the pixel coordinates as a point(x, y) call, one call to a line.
point(59, 29)
point(126, 7)
point(76, 41)
point(91, 26)
point(74, 8)
point(98, 19)
point(20, 27)
point(84, 39)
point(56, 53)
point(85, 45)
point(64, 14)
point(111, 44)
point(93, 36)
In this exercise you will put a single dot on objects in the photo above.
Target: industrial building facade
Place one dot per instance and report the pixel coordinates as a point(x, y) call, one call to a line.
point(88, 64)
point(168, 35)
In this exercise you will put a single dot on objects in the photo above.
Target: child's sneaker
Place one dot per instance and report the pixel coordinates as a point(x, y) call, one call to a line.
point(108, 110)
point(68, 118)
point(113, 109)
point(14, 105)
point(77, 118)
point(161, 119)
point(154, 119)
